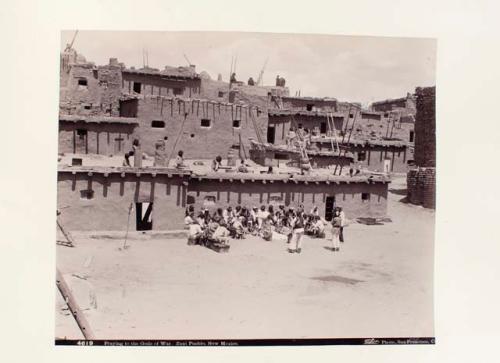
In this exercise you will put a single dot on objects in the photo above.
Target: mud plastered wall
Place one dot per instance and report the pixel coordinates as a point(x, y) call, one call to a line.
point(425, 127)
point(204, 128)
point(108, 208)
point(90, 90)
point(250, 194)
point(98, 138)
point(421, 184)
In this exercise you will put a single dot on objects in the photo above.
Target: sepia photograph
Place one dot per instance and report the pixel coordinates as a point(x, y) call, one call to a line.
point(239, 188)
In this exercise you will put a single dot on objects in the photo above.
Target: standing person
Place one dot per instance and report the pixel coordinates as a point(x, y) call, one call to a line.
point(290, 137)
point(342, 225)
point(336, 224)
point(135, 146)
point(298, 232)
point(262, 216)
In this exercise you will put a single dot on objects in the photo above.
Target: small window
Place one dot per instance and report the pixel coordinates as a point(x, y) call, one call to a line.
point(351, 115)
point(309, 107)
point(386, 114)
point(165, 138)
point(412, 136)
point(178, 91)
point(221, 94)
point(205, 122)
point(361, 155)
point(365, 196)
point(137, 87)
point(82, 82)
point(86, 194)
point(209, 200)
point(81, 133)
point(87, 107)
point(236, 123)
point(192, 135)
point(158, 124)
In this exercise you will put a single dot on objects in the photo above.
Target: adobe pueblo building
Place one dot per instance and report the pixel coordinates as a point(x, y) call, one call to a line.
point(103, 109)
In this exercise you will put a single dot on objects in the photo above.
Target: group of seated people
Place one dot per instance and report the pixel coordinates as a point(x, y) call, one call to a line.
point(237, 222)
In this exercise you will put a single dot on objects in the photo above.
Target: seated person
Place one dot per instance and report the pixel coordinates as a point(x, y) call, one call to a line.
point(189, 219)
point(221, 233)
point(318, 228)
point(267, 228)
point(237, 230)
point(179, 160)
point(217, 163)
point(195, 233)
point(242, 168)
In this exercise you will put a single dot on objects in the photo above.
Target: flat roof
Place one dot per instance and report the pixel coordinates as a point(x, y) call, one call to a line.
point(124, 170)
point(98, 119)
point(327, 99)
point(170, 72)
point(292, 178)
point(390, 100)
point(285, 177)
point(278, 112)
point(357, 142)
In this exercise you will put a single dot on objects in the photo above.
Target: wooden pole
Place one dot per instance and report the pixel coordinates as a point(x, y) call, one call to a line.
point(66, 234)
point(73, 306)
point(176, 140)
point(349, 138)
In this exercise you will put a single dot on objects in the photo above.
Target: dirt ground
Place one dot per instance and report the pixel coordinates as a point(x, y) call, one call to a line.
point(379, 285)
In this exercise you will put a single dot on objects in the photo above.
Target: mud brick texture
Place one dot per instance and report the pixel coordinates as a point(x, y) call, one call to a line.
point(421, 184)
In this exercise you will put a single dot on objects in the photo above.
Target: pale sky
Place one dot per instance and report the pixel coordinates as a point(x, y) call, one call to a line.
point(349, 68)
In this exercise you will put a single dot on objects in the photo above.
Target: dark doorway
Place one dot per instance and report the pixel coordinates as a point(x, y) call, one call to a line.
point(322, 129)
point(137, 87)
point(329, 207)
point(270, 134)
point(128, 108)
point(412, 136)
point(80, 145)
point(144, 216)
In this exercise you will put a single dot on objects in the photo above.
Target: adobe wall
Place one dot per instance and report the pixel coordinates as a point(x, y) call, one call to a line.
point(196, 141)
point(421, 184)
point(375, 156)
point(295, 103)
point(379, 129)
point(425, 127)
point(250, 194)
point(103, 138)
point(269, 158)
point(282, 124)
point(99, 97)
point(214, 90)
point(108, 210)
point(161, 86)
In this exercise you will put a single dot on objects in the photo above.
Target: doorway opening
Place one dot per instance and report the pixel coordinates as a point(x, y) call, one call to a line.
point(144, 216)
point(270, 134)
point(329, 207)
